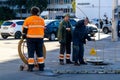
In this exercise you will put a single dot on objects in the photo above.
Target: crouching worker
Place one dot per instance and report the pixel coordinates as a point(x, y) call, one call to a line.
point(33, 31)
point(79, 39)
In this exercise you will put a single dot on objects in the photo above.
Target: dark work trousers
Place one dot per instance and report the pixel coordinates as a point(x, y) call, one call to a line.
point(35, 45)
point(65, 47)
point(78, 53)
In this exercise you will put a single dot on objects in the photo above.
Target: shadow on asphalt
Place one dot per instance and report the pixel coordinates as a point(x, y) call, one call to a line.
point(9, 39)
point(46, 40)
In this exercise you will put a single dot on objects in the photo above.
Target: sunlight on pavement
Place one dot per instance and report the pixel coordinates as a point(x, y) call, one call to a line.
point(102, 36)
point(8, 54)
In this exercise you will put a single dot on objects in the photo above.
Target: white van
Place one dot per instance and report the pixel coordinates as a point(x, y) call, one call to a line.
point(12, 28)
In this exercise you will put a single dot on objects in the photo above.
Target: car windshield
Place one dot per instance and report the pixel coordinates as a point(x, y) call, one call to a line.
point(7, 23)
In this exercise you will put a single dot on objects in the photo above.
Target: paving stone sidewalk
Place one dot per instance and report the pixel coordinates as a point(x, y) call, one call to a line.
point(107, 50)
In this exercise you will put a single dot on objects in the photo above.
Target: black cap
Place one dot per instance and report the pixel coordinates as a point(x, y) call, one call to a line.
point(35, 10)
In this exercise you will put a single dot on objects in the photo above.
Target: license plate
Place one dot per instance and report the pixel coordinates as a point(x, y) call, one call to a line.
point(5, 27)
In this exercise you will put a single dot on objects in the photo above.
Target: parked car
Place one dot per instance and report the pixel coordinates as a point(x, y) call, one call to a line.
point(73, 22)
point(11, 28)
point(118, 25)
point(91, 28)
point(107, 28)
point(51, 29)
point(95, 21)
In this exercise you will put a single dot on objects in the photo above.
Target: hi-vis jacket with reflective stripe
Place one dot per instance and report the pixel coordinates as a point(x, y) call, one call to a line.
point(35, 26)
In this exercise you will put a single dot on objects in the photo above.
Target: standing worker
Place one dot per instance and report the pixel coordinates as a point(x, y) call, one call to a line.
point(33, 31)
point(65, 37)
point(79, 39)
point(101, 23)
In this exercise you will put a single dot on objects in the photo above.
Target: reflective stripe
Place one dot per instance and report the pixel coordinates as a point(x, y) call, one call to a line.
point(35, 36)
point(36, 26)
point(61, 56)
point(25, 26)
point(67, 56)
point(40, 60)
point(31, 61)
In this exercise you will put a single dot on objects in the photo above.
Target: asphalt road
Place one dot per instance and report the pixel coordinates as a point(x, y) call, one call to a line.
point(10, 62)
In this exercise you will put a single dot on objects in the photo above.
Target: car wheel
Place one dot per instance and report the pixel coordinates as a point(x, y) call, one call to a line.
point(52, 37)
point(105, 30)
point(92, 34)
point(18, 35)
point(97, 25)
point(4, 36)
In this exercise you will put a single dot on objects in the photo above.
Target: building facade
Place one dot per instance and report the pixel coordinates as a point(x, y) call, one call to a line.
point(59, 8)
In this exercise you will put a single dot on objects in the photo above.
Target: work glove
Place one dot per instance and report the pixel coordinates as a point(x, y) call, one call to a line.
point(24, 36)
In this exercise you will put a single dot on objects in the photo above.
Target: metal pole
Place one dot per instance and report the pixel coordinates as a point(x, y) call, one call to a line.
point(114, 20)
point(99, 23)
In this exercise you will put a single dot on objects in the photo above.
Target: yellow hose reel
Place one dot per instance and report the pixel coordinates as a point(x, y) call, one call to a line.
point(21, 45)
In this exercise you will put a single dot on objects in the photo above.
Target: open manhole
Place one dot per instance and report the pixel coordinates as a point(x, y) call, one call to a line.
point(100, 63)
point(96, 61)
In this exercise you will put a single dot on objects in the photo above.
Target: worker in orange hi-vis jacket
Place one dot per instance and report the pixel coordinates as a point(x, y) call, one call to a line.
point(33, 31)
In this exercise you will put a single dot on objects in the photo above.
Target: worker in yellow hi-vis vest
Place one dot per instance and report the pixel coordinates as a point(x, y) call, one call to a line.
point(33, 31)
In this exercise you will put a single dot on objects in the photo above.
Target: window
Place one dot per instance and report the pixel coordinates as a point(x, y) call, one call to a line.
point(56, 23)
point(7, 23)
point(67, 1)
point(51, 24)
point(48, 1)
point(20, 22)
point(73, 22)
point(52, 1)
point(61, 1)
point(24, 11)
point(57, 1)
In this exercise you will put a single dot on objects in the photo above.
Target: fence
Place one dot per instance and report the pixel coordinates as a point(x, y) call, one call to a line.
point(106, 50)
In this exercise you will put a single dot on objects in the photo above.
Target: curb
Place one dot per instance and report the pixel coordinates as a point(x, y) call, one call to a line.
point(87, 72)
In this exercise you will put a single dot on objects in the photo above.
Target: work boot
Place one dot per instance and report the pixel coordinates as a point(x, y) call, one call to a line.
point(61, 62)
point(41, 67)
point(68, 61)
point(30, 68)
point(76, 64)
point(83, 63)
